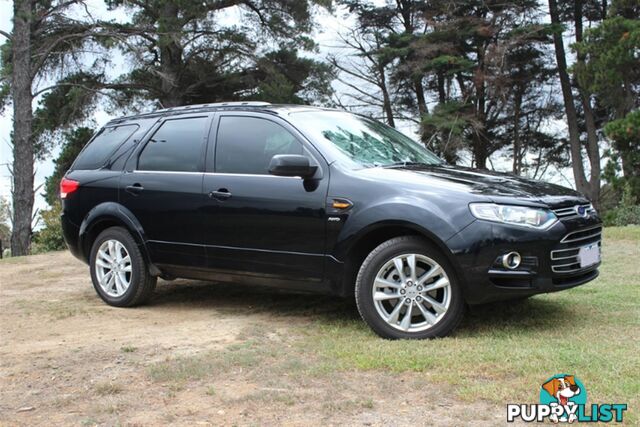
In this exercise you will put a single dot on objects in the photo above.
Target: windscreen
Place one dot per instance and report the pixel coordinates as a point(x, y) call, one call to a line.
point(362, 141)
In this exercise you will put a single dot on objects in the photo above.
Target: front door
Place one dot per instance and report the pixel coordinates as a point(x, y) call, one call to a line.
point(257, 223)
point(163, 189)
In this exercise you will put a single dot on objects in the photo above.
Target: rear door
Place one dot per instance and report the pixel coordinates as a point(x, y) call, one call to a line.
point(163, 189)
point(257, 223)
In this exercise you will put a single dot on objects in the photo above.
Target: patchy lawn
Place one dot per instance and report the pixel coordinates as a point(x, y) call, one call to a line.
point(221, 354)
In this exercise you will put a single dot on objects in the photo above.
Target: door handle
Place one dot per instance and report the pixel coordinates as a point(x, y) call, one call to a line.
point(220, 194)
point(134, 189)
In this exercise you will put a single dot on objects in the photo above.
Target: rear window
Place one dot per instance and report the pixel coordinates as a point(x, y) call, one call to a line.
point(95, 155)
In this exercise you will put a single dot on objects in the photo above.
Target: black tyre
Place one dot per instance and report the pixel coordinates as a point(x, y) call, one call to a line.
point(406, 289)
point(119, 271)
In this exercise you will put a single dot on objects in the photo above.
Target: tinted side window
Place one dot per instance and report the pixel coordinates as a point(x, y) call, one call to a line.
point(247, 144)
point(120, 156)
point(105, 142)
point(175, 146)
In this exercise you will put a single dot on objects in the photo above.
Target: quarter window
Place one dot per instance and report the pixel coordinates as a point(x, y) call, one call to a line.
point(247, 144)
point(176, 146)
point(95, 154)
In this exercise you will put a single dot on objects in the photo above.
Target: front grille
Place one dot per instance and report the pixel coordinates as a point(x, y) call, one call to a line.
point(565, 259)
point(572, 211)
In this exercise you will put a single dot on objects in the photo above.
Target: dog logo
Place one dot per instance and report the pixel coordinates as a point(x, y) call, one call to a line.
point(565, 392)
point(563, 399)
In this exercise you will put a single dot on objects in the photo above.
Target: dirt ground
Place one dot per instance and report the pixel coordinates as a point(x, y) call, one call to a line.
point(199, 354)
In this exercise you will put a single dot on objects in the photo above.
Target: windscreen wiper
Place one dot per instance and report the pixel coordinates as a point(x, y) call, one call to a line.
point(403, 164)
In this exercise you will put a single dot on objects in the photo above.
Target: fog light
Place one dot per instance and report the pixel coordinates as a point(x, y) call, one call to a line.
point(511, 260)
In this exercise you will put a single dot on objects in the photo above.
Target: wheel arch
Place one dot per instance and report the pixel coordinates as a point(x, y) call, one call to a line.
point(374, 235)
point(111, 214)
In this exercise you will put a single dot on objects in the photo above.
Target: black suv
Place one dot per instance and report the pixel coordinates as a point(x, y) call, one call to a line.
point(319, 200)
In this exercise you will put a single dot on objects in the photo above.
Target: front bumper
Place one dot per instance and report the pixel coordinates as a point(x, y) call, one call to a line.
point(550, 260)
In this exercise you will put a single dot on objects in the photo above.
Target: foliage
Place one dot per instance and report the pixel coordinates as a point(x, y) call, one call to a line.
point(627, 213)
point(69, 103)
point(629, 9)
point(484, 64)
point(625, 134)
point(612, 66)
point(59, 40)
point(611, 71)
point(75, 139)
point(285, 77)
point(49, 237)
point(184, 53)
point(478, 77)
point(444, 130)
point(5, 75)
point(5, 222)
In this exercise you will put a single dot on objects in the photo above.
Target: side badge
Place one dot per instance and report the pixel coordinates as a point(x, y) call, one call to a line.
point(334, 219)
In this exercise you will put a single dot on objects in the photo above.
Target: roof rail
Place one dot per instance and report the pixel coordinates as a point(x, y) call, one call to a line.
point(217, 104)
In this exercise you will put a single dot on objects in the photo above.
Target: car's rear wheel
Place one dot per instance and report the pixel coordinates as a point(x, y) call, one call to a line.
point(118, 270)
point(407, 289)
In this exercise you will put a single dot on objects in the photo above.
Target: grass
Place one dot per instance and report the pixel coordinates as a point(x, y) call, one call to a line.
point(502, 352)
point(249, 355)
point(349, 405)
point(128, 349)
point(298, 353)
point(107, 388)
point(56, 310)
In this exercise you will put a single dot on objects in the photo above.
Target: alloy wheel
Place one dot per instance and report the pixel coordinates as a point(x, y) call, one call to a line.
point(113, 268)
point(411, 292)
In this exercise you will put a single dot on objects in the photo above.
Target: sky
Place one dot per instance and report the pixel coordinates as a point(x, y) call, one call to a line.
point(326, 38)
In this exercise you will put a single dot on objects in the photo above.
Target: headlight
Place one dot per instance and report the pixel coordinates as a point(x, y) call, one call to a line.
point(517, 215)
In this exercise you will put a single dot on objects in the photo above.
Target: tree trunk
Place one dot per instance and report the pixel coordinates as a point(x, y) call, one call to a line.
point(582, 184)
point(480, 154)
point(405, 9)
point(593, 151)
point(480, 149)
point(442, 95)
point(386, 99)
point(517, 158)
point(21, 80)
point(171, 59)
point(422, 103)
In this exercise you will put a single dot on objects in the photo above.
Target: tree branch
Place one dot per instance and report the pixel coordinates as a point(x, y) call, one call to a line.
point(97, 89)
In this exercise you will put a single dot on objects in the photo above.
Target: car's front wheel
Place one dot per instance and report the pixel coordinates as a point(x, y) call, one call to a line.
point(407, 289)
point(118, 270)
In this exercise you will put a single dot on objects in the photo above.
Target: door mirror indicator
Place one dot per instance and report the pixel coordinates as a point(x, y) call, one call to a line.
point(291, 165)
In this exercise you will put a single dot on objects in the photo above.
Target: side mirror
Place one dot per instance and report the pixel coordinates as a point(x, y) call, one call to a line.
point(291, 165)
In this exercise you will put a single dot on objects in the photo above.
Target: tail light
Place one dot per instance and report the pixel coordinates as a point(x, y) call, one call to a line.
point(68, 186)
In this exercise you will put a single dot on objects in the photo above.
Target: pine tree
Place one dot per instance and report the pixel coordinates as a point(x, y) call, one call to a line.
point(610, 70)
point(452, 66)
point(45, 42)
point(188, 52)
